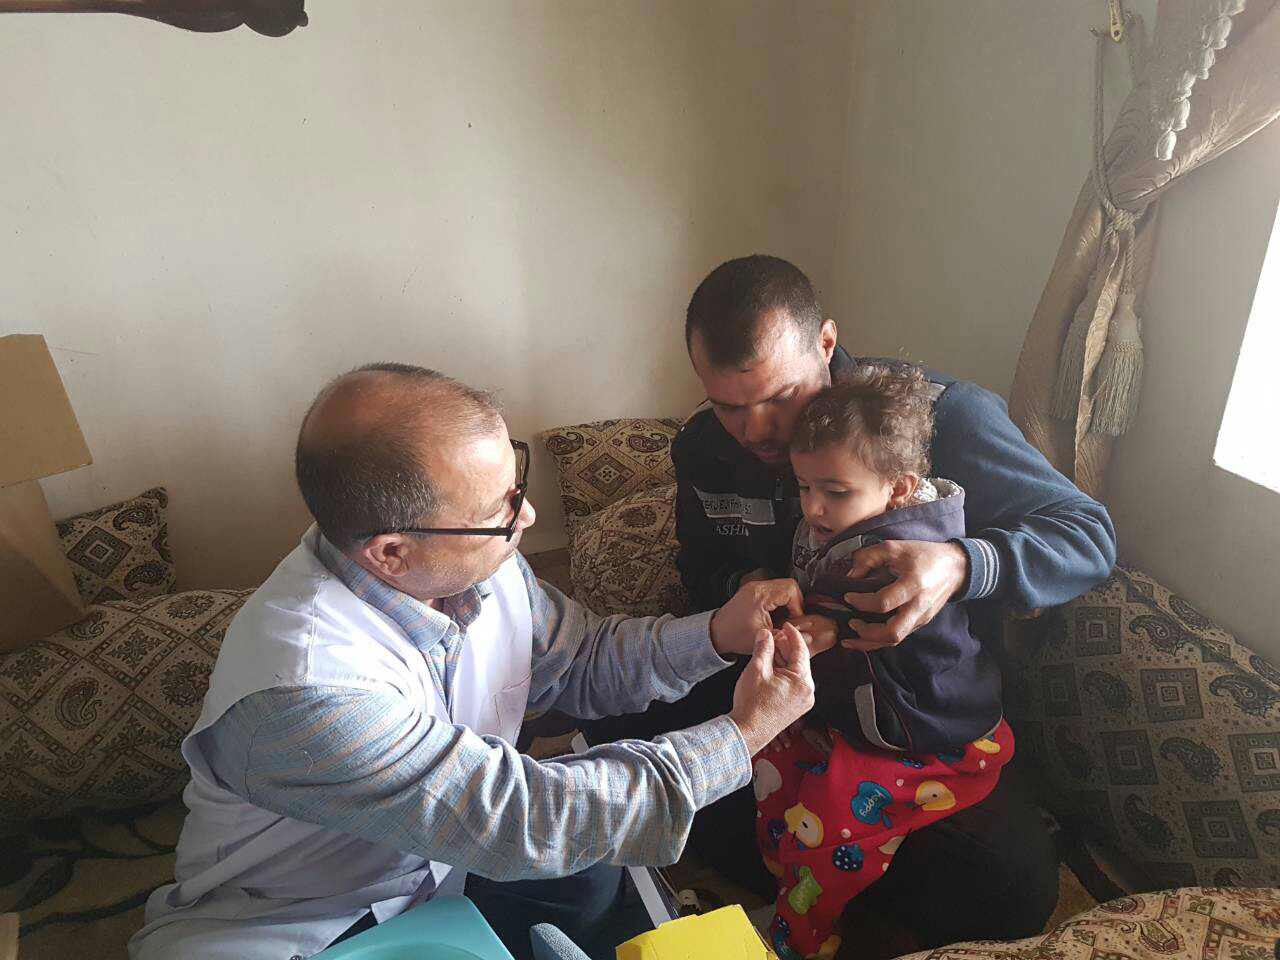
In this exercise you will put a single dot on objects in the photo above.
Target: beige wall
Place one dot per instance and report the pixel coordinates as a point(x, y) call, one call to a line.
point(524, 194)
point(968, 141)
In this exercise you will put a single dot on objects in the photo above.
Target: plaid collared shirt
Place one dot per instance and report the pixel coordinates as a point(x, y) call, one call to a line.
point(382, 768)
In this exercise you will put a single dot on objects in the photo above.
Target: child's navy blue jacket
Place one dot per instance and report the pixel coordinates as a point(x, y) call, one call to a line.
point(937, 690)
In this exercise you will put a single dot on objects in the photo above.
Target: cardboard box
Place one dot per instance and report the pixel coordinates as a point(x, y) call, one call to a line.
point(37, 590)
point(39, 437)
point(39, 434)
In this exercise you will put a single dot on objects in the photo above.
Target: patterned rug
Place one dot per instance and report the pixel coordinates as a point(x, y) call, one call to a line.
point(79, 883)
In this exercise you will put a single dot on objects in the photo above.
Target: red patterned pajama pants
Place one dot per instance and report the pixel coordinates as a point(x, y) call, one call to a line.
point(831, 816)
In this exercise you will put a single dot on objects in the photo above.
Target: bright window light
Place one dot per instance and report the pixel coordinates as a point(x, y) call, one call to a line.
point(1249, 441)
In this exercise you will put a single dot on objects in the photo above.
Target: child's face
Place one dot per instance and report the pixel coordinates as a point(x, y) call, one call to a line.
point(838, 490)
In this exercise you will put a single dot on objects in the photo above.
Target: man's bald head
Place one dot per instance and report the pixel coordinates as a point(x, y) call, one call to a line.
point(364, 450)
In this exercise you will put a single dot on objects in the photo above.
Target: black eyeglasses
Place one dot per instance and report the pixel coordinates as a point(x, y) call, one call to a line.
point(517, 504)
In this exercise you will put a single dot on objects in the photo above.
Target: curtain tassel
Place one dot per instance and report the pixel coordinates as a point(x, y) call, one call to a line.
point(1119, 373)
point(1066, 386)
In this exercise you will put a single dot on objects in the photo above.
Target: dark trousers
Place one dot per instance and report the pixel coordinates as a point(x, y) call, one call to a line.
point(597, 909)
point(988, 872)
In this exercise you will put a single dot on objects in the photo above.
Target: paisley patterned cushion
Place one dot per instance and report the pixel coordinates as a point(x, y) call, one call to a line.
point(121, 552)
point(600, 463)
point(623, 558)
point(92, 716)
point(1203, 923)
point(1154, 730)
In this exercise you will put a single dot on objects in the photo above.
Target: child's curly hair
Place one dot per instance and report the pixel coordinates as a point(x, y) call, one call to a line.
point(884, 413)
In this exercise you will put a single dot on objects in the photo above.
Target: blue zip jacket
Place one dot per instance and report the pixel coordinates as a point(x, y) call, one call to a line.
point(1032, 538)
point(933, 694)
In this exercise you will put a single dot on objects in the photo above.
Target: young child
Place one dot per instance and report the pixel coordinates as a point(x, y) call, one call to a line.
point(899, 737)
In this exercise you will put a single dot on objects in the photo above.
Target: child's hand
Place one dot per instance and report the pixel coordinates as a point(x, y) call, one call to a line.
point(819, 632)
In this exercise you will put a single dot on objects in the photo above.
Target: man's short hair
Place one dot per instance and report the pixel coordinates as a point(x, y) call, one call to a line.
point(357, 482)
point(726, 308)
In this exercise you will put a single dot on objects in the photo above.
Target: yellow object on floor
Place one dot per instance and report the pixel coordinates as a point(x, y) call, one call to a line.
point(724, 934)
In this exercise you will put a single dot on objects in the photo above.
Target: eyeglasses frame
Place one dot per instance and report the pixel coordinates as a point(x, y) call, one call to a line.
point(509, 531)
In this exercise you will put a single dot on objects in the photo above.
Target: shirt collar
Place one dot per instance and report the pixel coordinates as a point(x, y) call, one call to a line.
point(424, 625)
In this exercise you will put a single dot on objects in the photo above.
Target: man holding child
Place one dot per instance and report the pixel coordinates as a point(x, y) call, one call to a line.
point(763, 350)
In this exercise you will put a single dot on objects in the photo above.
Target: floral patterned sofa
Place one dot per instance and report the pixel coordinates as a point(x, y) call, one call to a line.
point(1152, 734)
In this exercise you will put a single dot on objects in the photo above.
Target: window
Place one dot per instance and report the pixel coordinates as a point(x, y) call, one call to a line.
point(1249, 439)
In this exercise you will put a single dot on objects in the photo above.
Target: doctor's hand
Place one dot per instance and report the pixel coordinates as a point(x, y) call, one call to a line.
point(776, 688)
point(927, 576)
point(735, 625)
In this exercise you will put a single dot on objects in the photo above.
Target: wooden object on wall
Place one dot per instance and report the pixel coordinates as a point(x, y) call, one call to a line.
point(272, 18)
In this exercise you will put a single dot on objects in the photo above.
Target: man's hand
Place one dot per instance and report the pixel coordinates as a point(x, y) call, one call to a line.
point(735, 625)
point(775, 690)
point(759, 573)
point(928, 575)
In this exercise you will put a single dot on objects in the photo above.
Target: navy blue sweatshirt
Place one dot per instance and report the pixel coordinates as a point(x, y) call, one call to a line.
point(1032, 538)
point(931, 695)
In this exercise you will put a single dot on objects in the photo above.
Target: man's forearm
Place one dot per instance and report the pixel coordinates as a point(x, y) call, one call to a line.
point(591, 666)
point(382, 771)
point(1035, 539)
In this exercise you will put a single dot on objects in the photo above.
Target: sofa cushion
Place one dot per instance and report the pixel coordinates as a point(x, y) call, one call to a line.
point(601, 463)
point(121, 552)
point(623, 557)
point(92, 716)
point(1189, 924)
point(1153, 730)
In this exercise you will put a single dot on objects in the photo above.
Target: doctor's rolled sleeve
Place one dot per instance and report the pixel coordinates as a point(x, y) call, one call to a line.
point(378, 766)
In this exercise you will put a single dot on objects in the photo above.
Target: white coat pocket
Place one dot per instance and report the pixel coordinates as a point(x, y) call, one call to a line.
point(510, 704)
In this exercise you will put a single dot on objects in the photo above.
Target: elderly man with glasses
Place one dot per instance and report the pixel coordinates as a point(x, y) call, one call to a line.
point(355, 754)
